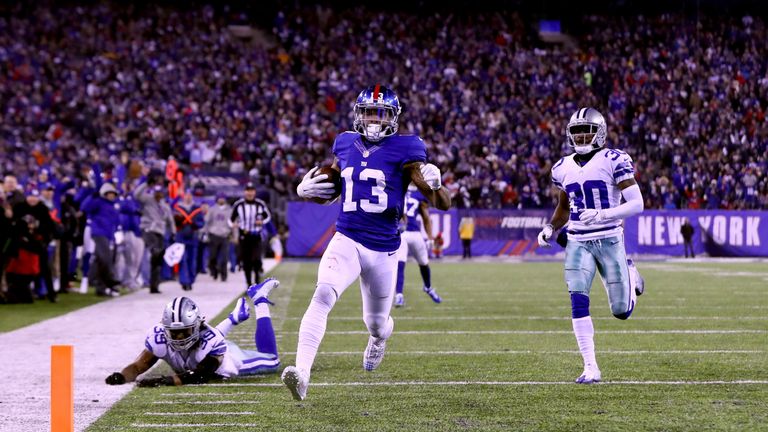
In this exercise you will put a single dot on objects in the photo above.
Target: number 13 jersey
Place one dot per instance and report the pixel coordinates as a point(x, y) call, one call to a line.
point(373, 185)
point(593, 186)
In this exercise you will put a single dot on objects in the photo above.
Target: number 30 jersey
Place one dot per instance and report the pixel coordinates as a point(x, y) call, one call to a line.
point(373, 185)
point(593, 186)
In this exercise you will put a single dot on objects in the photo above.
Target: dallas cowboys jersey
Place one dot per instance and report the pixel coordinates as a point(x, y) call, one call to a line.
point(373, 186)
point(593, 186)
point(413, 200)
point(212, 342)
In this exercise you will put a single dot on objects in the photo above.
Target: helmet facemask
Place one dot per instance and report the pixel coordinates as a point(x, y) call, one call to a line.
point(181, 322)
point(375, 121)
point(182, 338)
point(585, 137)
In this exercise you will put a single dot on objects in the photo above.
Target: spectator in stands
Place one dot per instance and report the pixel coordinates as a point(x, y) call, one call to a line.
point(189, 220)
point(101, 211)
point(156, 222)
point(686, 230)
point(23, 252)
point(132, 249)
point(43, 234)
point(219, 229)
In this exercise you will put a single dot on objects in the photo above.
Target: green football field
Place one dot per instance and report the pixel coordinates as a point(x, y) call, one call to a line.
point(499, 354)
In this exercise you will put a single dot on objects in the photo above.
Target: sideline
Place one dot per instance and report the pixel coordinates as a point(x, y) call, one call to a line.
point(106, 337)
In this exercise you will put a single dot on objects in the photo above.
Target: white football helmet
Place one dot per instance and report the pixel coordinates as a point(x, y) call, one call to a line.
point(586, 130)
point(181, 321)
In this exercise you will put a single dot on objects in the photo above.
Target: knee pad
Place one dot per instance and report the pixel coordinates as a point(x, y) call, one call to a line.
point(325, 295)
point(576, 281)
point(619, 310)
point(379, 326)
point(579, 305)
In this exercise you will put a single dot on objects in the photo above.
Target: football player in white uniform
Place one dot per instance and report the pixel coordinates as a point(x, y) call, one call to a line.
point(198, 352)
point(591, 184)
point(413, 244)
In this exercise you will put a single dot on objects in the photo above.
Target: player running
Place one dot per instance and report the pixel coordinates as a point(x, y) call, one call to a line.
point(376, 165)
point(413, 244)
point(198, 352)
point(592, 182)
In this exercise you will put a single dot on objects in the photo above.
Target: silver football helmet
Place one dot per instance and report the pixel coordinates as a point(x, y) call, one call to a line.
point(181, 321)
point(586, 130)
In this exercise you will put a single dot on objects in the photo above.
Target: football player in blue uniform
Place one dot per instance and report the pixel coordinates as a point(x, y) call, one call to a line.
point(376, 164)
point(198, 352)
point(592, 183)
point(413, 244)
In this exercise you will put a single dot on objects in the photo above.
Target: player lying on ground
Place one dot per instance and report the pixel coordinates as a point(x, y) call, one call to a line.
point(592, 182)
point(198, 352)
point(412, 244)
point(376, 165)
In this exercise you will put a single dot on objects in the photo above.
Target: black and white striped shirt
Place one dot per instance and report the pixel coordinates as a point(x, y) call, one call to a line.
point(249, 213)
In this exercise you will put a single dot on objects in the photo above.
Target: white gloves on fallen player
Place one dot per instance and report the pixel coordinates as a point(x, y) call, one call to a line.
point(432, 176)
point(591, 217)
point(545, 235)
point(315, 187)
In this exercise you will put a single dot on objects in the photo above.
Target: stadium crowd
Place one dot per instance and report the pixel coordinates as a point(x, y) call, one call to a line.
point(128, 87)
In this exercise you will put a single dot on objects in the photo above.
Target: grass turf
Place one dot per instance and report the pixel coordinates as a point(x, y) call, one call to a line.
point(529, 302)
point(15, 316)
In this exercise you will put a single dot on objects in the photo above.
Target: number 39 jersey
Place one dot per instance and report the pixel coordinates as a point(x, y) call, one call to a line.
point(373, 186)
point(212, 342)
point(593, 186)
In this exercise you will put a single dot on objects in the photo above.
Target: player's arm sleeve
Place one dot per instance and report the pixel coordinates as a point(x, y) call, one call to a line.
point(556, 173)
point(633, 205)
point(415, 151)
point(266, 216)
point(623, 168)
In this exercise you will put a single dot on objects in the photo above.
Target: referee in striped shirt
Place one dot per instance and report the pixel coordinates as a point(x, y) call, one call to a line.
point(250, 214)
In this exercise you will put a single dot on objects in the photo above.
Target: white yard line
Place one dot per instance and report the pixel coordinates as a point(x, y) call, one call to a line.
point(545, 332)
point(179, 413)
point(190, 425)
point(106, 337)
point(205, 394)
point(493, 383)
point(523, 352)
point(215, 402)
point(513, 317)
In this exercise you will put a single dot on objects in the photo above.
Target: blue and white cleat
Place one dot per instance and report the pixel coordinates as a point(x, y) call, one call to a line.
point(259, 293)
point(399, 300)
point(241, 312)
point(590, 375)
point(374, 353)
point(297, 381)
point(433, 294)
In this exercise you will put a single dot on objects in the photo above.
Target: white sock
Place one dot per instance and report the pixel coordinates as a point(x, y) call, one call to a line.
point(261, 310)
point(585, 337)
point(311, 333)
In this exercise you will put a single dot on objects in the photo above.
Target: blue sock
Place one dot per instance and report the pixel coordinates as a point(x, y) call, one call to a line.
point(400, 277)
point(86, 263)
point(426, 275)
point(265, 336)
point(579, 305)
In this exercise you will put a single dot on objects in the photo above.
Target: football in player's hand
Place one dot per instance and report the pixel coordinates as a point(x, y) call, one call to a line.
point(333, 177)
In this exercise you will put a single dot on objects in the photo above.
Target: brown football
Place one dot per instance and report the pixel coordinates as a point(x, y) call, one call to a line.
point(333, 177)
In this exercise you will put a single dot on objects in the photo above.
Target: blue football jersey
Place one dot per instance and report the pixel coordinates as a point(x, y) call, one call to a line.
point(413, 200)
point(373, 186)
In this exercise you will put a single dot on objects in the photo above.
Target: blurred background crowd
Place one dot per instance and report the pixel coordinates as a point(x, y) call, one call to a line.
point(260, 94)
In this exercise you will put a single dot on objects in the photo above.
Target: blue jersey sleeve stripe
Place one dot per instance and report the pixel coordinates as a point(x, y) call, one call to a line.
point(623, 173)
point(218, 352)
point(148, 346)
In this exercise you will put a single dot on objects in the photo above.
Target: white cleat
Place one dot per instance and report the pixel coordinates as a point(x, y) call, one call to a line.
point(259, 293)
point(374, 353)
point(297, 381)
point(590, 375)
point(399, 300)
